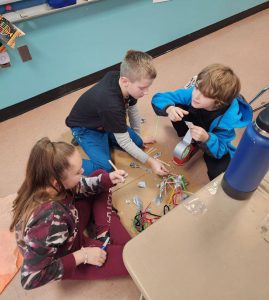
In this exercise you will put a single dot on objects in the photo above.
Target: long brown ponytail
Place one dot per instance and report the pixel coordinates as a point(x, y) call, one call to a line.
point(47, 162)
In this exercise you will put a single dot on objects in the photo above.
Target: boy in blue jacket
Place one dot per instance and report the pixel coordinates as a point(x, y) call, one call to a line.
point(215, 108)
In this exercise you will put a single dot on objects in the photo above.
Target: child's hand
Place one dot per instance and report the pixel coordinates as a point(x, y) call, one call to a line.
point(148, 140)
point(118, 176)
point(157, 167)
point(96, 256)
point(198, 133)
point(176, 114)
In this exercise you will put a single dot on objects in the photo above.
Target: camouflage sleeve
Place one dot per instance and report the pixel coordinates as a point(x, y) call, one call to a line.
point(95, 184)
point(44, 234)
point(90, 185)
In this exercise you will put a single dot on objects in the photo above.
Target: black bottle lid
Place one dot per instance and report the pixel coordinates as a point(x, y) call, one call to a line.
point(262, 120)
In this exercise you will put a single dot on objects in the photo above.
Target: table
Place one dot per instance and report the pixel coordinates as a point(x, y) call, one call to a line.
point(222, 253)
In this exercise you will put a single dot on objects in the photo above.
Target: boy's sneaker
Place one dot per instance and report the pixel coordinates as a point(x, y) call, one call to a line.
point(191, 83)
point(74, 142)
point(193, 148)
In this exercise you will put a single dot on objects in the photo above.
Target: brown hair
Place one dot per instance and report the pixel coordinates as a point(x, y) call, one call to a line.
point(137, 65)
point(218, 82)
point(47, 162)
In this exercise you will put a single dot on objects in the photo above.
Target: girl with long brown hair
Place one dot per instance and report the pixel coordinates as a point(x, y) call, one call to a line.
point(52, 211)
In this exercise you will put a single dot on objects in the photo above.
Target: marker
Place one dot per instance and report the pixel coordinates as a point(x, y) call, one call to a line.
point(105, 243)
point(104, 246)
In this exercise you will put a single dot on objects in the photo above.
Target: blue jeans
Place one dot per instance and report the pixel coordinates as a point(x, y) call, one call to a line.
point(96, 144)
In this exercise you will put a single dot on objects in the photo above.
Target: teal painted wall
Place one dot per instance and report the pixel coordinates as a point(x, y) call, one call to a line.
point(74, 43)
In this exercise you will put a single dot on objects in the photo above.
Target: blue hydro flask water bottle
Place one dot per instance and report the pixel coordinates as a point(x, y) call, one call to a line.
point(251, 160)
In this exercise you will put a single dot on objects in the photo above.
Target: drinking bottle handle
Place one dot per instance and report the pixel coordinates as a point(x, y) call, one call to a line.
point(259, 94)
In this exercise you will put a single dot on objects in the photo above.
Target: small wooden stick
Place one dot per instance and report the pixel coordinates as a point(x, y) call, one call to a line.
point(149, 150)
point(114, 167)
point(165, 163)
point(152, 149)
point(173, 174)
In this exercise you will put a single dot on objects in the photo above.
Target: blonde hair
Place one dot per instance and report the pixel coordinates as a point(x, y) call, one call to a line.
point(47, 162)
point(218, 82)
point(137, 65)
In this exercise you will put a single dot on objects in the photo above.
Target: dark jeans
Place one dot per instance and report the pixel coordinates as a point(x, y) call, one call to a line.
point(215, 166)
